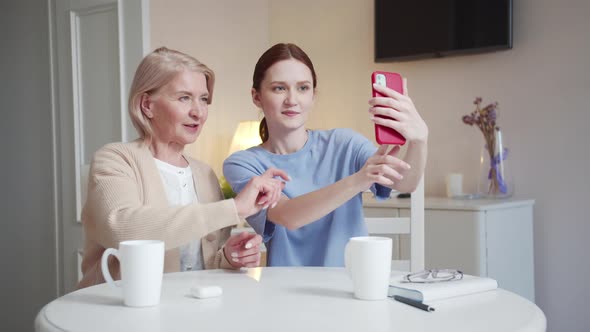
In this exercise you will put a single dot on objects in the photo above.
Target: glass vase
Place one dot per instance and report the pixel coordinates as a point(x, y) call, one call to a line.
point(495, 179)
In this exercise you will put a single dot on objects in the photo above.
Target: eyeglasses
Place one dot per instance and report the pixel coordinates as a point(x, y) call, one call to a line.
point(434, 275)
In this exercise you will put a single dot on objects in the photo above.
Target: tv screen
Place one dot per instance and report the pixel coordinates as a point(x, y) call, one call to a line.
point(413, 29)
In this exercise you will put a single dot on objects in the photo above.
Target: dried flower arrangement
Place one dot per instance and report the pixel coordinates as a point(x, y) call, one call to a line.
point(485, 119)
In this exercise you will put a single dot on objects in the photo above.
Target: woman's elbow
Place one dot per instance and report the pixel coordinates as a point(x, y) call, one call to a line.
point(285, 222)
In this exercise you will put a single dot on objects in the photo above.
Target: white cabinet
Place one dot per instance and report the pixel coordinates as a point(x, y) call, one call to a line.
point(490, 238)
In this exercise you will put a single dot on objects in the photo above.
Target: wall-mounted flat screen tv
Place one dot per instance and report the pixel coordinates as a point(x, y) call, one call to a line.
point(412, 29)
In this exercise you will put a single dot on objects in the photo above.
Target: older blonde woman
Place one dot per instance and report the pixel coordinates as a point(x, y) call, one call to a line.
point(150, 189)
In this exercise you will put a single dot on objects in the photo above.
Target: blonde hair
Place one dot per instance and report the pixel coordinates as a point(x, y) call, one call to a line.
point(156, 70)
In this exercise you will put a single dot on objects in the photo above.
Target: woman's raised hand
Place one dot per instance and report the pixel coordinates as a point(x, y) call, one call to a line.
point(261, 192)
point(400, 108)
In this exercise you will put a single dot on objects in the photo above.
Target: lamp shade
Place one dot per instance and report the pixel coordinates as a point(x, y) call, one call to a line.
point(245, 136)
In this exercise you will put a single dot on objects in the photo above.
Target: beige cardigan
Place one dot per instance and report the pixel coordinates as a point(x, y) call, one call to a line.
point(126, 201)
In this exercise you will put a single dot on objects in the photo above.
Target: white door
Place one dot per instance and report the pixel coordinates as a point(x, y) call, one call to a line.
point(97, 46)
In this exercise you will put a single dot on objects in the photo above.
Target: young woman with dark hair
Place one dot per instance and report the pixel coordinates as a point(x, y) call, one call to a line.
point(321, 206)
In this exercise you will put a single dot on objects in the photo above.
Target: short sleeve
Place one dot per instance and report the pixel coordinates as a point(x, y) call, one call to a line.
point(238, 169)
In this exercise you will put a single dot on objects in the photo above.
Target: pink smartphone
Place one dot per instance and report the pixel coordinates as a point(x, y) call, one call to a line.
point(386, 135)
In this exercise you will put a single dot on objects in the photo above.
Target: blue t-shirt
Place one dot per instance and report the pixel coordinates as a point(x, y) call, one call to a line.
point(327, 157)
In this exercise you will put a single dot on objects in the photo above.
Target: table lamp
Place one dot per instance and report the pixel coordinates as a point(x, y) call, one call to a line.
point(245, 136)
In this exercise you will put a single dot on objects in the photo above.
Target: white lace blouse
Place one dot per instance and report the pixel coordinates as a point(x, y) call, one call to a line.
point(180, 190)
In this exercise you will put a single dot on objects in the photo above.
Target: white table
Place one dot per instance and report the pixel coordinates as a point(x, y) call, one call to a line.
point(282, 299)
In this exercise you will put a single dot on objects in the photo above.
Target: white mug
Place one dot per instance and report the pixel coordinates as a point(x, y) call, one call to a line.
point(142, 268)
point(368, 261)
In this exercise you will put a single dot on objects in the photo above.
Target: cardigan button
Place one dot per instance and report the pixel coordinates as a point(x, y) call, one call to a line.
point(211, 237)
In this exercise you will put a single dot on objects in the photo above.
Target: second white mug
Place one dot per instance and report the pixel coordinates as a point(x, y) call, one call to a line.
point(368, 261)
point(142, 268)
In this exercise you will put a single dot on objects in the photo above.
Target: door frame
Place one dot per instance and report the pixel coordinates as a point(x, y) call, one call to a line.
point(133, 43)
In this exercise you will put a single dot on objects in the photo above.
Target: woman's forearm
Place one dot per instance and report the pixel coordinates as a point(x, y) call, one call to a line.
point(302, 210)
point(416, 156)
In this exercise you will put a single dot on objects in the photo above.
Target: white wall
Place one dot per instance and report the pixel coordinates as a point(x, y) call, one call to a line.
point(541, 85)
point(228, 36)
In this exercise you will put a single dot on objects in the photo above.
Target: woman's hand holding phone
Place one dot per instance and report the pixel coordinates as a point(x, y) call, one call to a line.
point(396, 111)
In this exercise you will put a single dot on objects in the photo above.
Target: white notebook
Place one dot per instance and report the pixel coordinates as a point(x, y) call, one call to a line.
point(440, 290)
